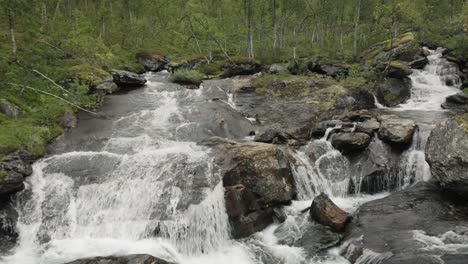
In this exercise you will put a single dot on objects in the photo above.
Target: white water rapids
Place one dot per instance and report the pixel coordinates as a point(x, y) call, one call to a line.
point(148, 188)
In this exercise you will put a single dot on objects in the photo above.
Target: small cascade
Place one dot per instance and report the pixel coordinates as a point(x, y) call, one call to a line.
point(321, 168)
point(431, 85)
point(413, 166)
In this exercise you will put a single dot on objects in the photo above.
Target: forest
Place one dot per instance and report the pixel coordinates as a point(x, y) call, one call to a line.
point(51, 44)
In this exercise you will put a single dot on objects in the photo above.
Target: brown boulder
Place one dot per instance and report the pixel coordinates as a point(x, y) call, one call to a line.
point(257, 178)
point(395, 130)
point(325, 212)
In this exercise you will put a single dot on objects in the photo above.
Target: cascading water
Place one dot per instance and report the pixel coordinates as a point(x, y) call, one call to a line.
point(430, 86)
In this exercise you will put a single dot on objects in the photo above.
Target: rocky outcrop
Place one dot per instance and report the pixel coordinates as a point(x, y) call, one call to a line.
point(257, 177)
point(447, 154)
point(457, 102)
point(329, 70)
point(241, 67)
point(273, 135)
point(14, 168)
point(395, 130)
point(130, 259)
point(9, 109)
point(325, 212)
point(151, 62)
point(126, 79)
point(394, 228)
point(350, 142)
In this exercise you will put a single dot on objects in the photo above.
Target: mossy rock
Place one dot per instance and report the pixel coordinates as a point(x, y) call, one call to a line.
point(188, 77)
point(403, 47)
point(87, 74)
point(462, 120)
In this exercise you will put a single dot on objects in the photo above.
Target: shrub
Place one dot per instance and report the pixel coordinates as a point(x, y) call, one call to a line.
point(188, 77)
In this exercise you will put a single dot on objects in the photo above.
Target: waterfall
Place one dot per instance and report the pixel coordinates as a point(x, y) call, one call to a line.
point(431, 85)
point(143, 183)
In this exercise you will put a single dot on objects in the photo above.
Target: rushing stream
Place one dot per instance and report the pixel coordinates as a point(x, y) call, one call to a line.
point(137, 182)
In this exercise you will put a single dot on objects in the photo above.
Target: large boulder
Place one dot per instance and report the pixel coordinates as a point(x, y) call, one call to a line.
point(257, 178)
point(447, 154)
point(395, 130)
point(152, 62)
point(130, 259)
point(458, 102)
point(393, 91)
point(13, 168)
point(325, 212)
point(9, 109)
point(415, 225)
point(127, 79)
point(350, 142)
point(368, 126)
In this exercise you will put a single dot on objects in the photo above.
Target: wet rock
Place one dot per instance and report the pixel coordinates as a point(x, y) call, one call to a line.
point(152, 62)
point(9, 109)
point(395, 130)
point(127, 79)
point(273, 135)
point(369, 126)
point(8, 232)
point(325, 212)
point(130, 259)
point(107, 87)
point(257, 177)
point(330, 70)
point(357, 116)
point(14, 168)
point(447, 155)
point(320, 128)
point(350, 142)
point(69, 120)
point(392, 227)
point(312, 237)
point(394, 91)
point(419, 63)
point(278, 68)
point(457, 101)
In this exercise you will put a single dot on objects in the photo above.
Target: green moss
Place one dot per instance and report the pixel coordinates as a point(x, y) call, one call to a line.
point(87, 74)
point(463, 120)
point(3, 173)
point(188, 77)
point(398, 64)
point(388, 97)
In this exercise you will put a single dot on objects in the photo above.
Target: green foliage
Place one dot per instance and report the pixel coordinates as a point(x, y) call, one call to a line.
point(188, 77)
point(87, 74)
point(213, 69)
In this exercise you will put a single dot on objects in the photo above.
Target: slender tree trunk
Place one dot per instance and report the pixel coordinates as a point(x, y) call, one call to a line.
point(11, 23)
point(356, 27)
point(275, 24)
